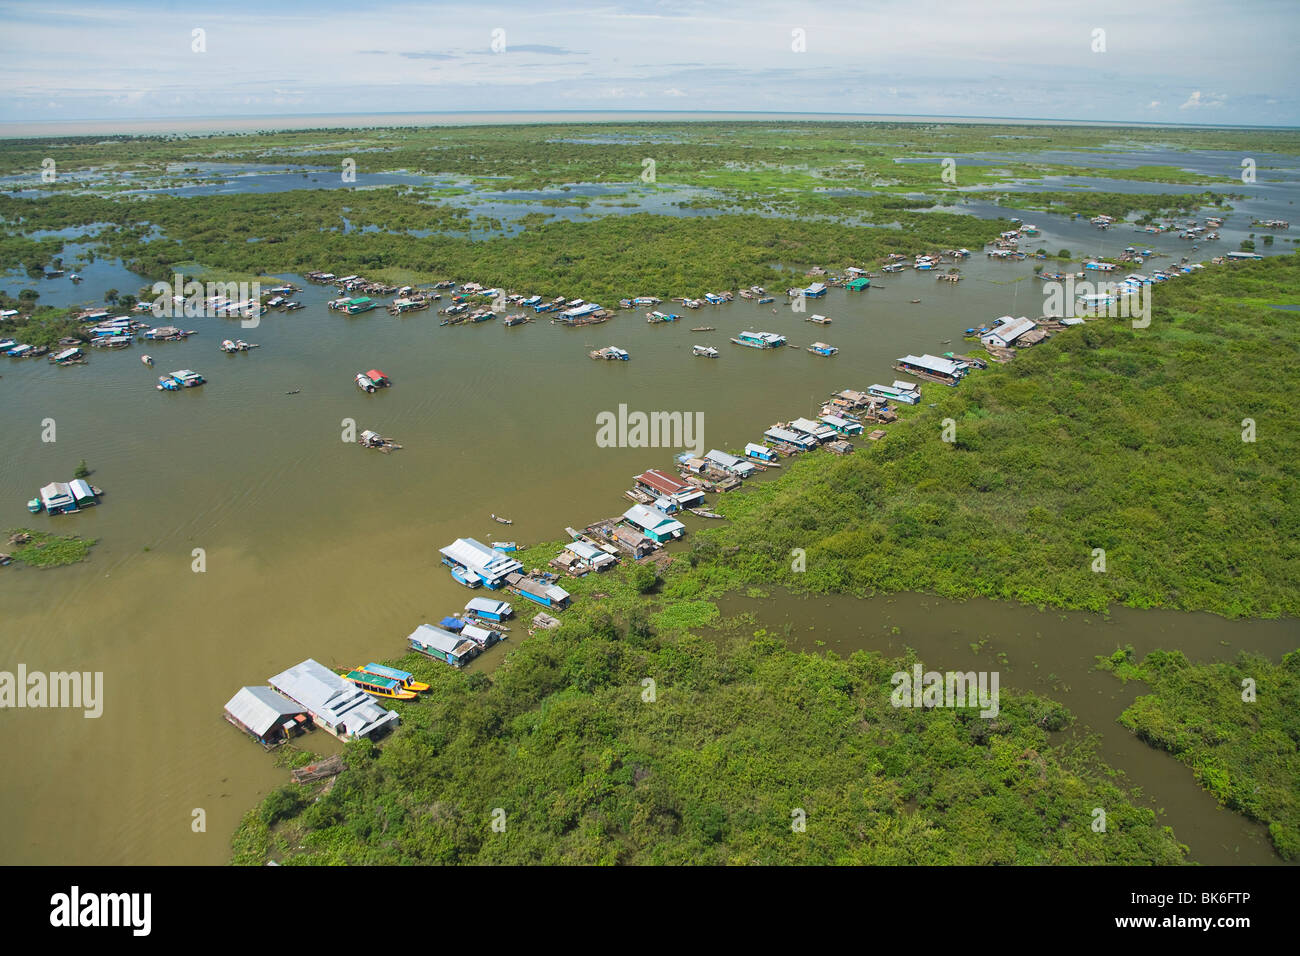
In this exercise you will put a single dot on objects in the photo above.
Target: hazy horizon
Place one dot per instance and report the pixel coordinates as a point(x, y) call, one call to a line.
point(1192, 62)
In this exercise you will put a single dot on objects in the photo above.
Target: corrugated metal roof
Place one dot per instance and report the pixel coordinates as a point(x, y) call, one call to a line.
point(488, 606)
point(661, 482)
point(332, 700)
point(479, 558)
point(436, 638)
point(652, 518)
point(260, 708)
point(931, 363)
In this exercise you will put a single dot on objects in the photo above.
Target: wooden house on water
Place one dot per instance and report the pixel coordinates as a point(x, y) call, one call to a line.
point(443, 645)
point(268, 717)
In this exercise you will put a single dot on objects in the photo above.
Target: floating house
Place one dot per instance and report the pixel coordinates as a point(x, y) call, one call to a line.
point(542, 592)
point(895, 394)
point(489, 609)
point(815, 291)
point(760, 340)
point(843, 426)
point(634, 542)
point(443, 645)
point(473, 563)
point(818, 431)
point(779, 434)
point(268, 717)
point(585, 314)
point(335, 704)
point(589, 557)
point(821, 348)
point(761, 452)
point(858, 285)
point(654, 523)
point(68, 497)
point(482, 637)
point(1006, 334)
point(737, 466)
point(658, 483)
point(610, 354)
point(931, 367)
point(358, 305)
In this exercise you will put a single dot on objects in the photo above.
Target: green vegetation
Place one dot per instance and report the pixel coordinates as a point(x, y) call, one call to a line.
point(42, 549)
point(587, 769)
point(1089, 203)
point(1129, 440)
point(1236, 724)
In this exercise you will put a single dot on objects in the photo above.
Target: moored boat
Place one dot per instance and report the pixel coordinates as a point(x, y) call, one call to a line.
point(405, 678)
point(707, 351)
point(377, 686)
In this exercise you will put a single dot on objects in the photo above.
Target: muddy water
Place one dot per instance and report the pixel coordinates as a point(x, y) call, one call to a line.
point(314, 547)
point(1052, 654)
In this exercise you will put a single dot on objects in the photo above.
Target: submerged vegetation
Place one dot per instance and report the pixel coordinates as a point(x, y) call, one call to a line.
point(44, 549)
point(1236, 724)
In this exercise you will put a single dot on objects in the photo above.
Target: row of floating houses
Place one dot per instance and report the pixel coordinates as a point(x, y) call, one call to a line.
point(347, 704)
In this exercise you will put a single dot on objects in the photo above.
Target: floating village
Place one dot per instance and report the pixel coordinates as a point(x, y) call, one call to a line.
point(348, 702)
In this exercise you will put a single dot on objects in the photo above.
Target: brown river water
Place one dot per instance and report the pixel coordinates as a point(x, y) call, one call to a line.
point(315, 547)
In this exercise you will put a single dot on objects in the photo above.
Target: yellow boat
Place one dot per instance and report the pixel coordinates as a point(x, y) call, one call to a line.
point(377, 686)
point(405, 678)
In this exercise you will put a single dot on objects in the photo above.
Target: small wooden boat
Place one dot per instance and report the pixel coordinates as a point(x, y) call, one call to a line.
point(705, 328)
point(705, 514)
point(916, 302)
point(147, 359)
point(501, 520)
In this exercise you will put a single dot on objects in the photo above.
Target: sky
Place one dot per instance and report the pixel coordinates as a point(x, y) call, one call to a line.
point(1157, 61)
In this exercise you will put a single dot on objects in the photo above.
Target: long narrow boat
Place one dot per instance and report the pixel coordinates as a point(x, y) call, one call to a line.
point(405, 678)
point(376, 686)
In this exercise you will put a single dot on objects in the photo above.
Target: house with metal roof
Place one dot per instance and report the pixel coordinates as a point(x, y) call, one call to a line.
point(482, 636)
point(473, 563)
point(857, 285)
point(660, 482)
point(761, 452)
point(337, 705)
point(488, 608)
point(777, 433)
point(654, 523)
point(731, 463)
point(270, 718)
point(443, 645)
point(57, 498)
point(842, 426)
point(818, 431)
point(1005, 335)
point(633, 541)
point(932, 367)
point(590, 557)
point(542, 592)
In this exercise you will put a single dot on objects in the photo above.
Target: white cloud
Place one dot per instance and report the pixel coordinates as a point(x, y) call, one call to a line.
point(674, 92)
point(1197, 101)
